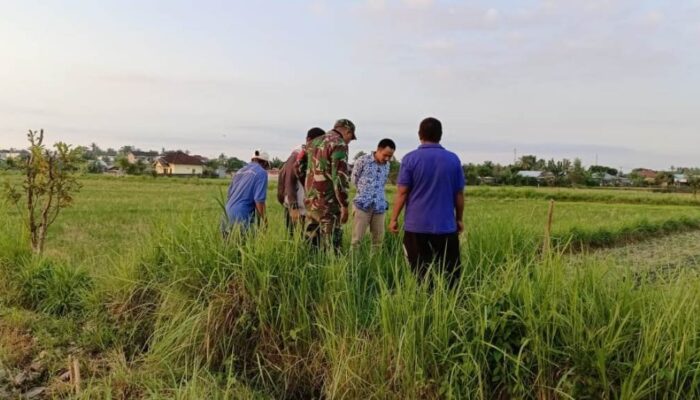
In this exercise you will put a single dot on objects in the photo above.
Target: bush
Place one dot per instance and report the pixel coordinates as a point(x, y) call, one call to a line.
point(53, 288)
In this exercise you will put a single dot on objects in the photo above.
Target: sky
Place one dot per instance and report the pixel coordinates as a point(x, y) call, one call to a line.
point(612, 80)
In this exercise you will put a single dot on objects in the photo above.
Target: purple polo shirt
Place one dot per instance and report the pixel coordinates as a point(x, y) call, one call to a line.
point(433, 176)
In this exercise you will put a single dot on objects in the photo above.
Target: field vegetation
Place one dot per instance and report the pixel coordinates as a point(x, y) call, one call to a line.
point(138, 287)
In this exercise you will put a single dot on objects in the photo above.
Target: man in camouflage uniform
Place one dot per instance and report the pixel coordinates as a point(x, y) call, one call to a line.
point(327, 184)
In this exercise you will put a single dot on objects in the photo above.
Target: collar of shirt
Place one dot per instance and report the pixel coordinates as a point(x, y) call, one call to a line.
point(430, 146)
point(256, 166)
point(333, 131)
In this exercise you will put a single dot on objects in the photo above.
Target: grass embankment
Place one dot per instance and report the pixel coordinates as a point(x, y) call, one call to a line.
point(581, 225)
point(611, 196)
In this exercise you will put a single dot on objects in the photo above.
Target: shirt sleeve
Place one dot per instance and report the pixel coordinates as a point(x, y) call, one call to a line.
point(300, 166)
point(405, 174)
point(261, 189)
point(290, 182)
point(339, 173)
point(357, 170)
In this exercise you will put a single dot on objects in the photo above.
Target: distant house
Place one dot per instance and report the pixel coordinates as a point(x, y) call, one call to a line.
point(13, 154)
point(680, 179)
point(648, 175)
point(147, 157)
point(179, 163)
point(487, 180)
point(605, 179)
point(531, 174)
point(114, 171)
point(536, 177)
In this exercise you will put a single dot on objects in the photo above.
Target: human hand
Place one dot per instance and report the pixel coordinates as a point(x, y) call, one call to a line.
point(344, 215)
point(394, 226)
point(460, 227)
point(294, 215)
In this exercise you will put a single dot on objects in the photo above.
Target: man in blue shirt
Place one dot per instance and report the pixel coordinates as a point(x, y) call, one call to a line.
point(431, 187)
point(247, 193)
point(369, 175)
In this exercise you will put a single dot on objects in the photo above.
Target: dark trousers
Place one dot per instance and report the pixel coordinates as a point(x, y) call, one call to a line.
point(324, 232)
point(441, 251)
point(291, 226)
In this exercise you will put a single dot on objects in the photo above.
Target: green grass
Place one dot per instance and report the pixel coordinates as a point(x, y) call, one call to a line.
point(599, 195)
point(139, 286)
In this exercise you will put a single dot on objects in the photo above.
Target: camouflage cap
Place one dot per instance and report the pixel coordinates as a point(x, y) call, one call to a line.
point(346, 123)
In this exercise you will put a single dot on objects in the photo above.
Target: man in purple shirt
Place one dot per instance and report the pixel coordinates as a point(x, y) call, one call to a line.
point(431, 187)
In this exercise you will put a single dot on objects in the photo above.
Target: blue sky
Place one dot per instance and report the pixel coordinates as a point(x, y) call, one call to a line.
point(616, 79)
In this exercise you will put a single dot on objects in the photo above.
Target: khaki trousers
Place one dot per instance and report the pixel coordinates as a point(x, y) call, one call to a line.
point(361, 220)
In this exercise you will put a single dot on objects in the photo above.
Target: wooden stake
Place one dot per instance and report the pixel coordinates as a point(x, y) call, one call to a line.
point(548, 229)
point(74, 372)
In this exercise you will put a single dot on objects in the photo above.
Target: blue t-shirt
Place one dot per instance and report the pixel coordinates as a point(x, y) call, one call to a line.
point(248, 186)
point(433, 176)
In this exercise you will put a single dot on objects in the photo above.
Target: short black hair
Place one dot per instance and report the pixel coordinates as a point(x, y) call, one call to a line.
point(313, 133)
point(430, 130)
point(386, 143)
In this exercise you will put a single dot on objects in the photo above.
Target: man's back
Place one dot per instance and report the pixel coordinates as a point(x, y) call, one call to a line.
point(327, 177)
point(433, 176)
point(287, 179)
point(248, 186)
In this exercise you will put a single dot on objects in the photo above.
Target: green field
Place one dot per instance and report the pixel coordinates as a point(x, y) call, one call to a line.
point(139, 287)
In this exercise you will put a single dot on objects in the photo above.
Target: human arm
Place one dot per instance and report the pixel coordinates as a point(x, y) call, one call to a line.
point(399, 203)
point(458, 184)
point(459, 211)
point(290, 182)
point(300, 165)
point(339, 176)
point(260, 196)
point(260, 209)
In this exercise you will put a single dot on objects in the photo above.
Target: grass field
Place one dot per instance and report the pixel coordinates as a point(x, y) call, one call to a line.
point(138, 286)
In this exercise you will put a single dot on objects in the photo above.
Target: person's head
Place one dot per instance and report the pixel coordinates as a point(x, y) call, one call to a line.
point(430, 130)
point(385, 151)
point(313, 133)
point(261, 158)
point(346, 129)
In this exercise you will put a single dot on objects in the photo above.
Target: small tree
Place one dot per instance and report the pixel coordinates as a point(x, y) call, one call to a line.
point(276, 163)
point(49, 185)
point(694, 182)
point(577, 174)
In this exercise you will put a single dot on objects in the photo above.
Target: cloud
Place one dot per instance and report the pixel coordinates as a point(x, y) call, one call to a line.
point(653, 19)
point(417, 3)
point(376, 4)
point(492, 16)
point(318, 8)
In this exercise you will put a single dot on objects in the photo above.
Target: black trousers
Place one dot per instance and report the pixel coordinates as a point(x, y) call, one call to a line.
point(291, 226)
point(441, 251)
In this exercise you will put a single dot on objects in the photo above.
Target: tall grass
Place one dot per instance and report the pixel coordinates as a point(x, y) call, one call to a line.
point(185, 314)
point(266, 312)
